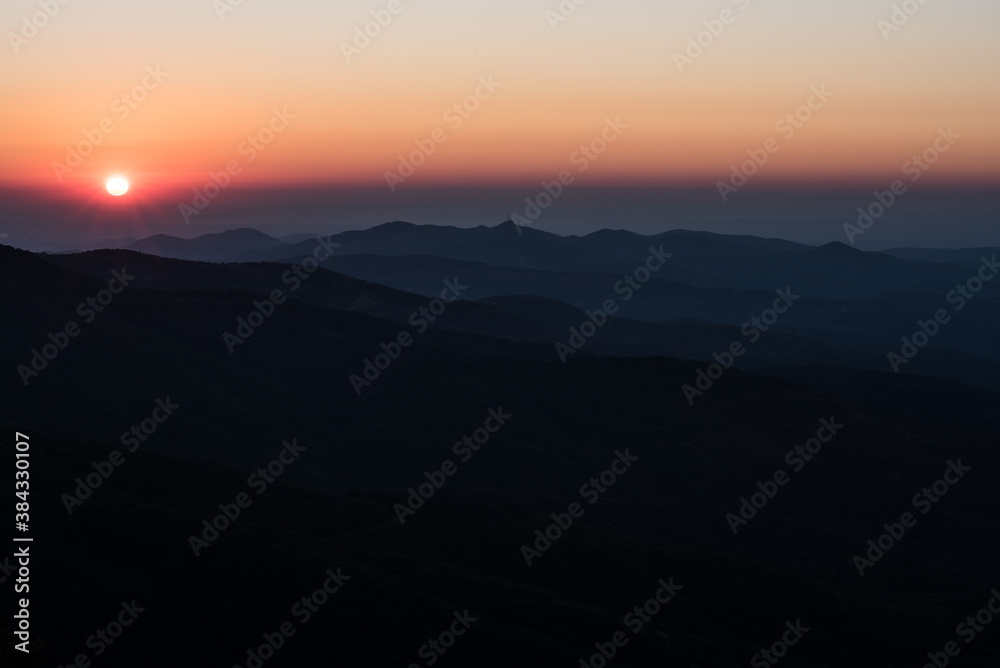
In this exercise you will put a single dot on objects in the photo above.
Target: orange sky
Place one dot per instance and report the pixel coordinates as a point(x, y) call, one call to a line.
point(223, 77)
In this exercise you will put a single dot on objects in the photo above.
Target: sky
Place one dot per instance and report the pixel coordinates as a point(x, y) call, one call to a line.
point(630, 93)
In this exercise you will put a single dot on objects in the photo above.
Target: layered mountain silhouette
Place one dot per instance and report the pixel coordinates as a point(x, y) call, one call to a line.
point(208, 247)
point(495, 349)
point(700, 259)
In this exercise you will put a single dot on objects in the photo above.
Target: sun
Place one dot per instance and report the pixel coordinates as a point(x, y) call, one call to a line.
point(116, 186)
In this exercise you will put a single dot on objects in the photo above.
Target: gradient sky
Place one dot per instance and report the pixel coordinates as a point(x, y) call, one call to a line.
point(609, 59)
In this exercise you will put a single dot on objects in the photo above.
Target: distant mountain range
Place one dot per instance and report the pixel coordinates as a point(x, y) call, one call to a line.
point(699, 258)
point(208, 247)
point(291, 378)
point(850, 298)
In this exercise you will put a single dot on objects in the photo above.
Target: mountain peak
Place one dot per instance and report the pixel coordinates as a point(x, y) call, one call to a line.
point(243, 233)
point(394, 226)
point(836, 249)
point(606, 233)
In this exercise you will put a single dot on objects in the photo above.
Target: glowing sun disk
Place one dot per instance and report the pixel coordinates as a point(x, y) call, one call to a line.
point(116, 186)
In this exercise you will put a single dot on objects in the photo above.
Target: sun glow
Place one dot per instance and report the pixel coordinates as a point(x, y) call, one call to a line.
point(116, 186)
